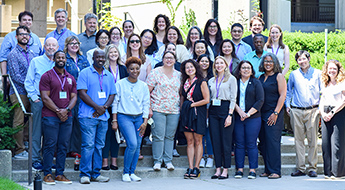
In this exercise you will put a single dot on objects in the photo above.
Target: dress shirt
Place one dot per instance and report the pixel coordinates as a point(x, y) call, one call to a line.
point(227, 90)
point(243, 87)
point(242, 49)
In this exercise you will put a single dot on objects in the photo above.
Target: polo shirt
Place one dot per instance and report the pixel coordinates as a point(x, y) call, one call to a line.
point(50, 82)
point(255, 61)
point(87, 42)
point(60, 37)
point(90, 80)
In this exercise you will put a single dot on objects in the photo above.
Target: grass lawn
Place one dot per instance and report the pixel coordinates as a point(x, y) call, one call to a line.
point(6, 184)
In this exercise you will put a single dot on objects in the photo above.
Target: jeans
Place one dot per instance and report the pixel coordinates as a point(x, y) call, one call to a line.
point(36, 109)
point(163, 132)
point(92, 141)
point(129, 126)
point(246, 133)
point(56, 133)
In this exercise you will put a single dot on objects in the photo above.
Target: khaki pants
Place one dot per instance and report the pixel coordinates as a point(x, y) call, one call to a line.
point(18, 120)
point(305, 123)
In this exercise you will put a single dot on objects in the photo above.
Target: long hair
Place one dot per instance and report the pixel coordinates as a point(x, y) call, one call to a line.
point(141, 51)
point(68, 40)
point(179, 36)
point(325, 79)
point(219, 36)
point(237, 72)
point(188, 41)
point(270, 42)
point(107, 51)
point(184, 77)
point(233, 53)
point(276, 66)
point(206, 50)
point(209, 69)
point(167, 22)
point(227, 73)
point(153, 47)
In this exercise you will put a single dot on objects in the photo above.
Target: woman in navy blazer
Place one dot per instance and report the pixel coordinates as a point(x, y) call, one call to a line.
point(250, 98)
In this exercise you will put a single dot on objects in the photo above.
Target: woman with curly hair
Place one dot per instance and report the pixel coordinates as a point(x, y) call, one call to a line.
point(160, 26)
point(331, 107)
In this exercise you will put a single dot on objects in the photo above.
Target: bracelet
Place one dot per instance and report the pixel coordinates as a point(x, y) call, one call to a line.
point(248, 114)
point(114, 120)
point(230, 114)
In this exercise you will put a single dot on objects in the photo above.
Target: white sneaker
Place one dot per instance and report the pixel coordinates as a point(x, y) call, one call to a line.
point(126, 178)
point(170, 166)
point(100, 179)
point(85, 180)
point(134, 177)
point(209, 163)
point(202, 163)
point(157, 167)
point(22, 155)
point(175, 153)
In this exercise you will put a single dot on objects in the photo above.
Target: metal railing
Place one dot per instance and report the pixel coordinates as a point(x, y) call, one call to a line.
point(312, 12)
point(28, 114)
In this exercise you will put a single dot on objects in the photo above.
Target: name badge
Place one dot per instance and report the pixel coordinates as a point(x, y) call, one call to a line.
point(216, 102)
point(62, 95)
point(101, 95)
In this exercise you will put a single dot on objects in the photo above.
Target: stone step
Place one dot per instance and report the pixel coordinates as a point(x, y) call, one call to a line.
point(147, 172)
point(182, 161)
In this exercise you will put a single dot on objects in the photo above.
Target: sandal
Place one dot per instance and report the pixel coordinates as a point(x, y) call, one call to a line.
point(263, 175)
point(195, 173)
point(187, 174)
point(274, 176)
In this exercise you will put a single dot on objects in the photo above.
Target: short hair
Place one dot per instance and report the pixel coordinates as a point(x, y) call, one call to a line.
point(233, 53)
point(188, 42)
point(133, 60)
point(258, 35)
point(123, 24)
point(256, 18)
point(300, 53)
point(113, 28)
point(59, 11)
point(59, 51)
point(236, 25)
point(167, 22)
point(89, 16)
point(25, 13)
point(22, 27)
point(237, 73)
point(276, 66)
point(99, 33)
point(68, 40)
point(179, 36)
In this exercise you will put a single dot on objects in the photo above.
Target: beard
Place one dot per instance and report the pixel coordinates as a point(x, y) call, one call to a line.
point(60, 66)
point(21, 43)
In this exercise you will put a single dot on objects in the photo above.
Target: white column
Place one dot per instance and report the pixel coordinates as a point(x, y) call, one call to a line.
point(339, 14)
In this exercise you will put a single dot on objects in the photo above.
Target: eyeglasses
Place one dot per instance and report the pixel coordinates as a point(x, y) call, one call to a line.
point(24, 34)
point(268, 61)
point(116, 34)
point(134, 41)
point(213, 26)
point(194, 34)
point(74, 44)
point(245, 68)
point(149, 38)
point(237, 31)
point(169, 58)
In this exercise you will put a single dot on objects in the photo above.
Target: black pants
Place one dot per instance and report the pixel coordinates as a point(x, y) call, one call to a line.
point(333, 145)
point(221, 137)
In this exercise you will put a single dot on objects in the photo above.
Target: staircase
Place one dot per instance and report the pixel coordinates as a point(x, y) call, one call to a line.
point(144, 167)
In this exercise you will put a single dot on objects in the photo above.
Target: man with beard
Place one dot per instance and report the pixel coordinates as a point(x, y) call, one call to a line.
point(18, 61)
point(241, 48)
point(97, 91)
point(59, 95)
point(254, 57)
point(256, 26)
point(88, 38)
point(38, 66)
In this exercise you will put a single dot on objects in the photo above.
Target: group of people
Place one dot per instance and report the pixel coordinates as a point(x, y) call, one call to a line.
point(226, 93)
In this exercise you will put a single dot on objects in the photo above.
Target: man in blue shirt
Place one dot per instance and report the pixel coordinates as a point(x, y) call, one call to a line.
point(61, 32)
point(38, 66)
point(97, 91)
point(25, 19)
point(18, 63)
point(302, 101)
point(88, 38)
point(241, 48)
point(255, 56)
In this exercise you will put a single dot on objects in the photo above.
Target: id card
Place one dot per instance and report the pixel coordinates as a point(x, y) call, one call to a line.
point(62, 95)
point(101, 95)
point(216, 102)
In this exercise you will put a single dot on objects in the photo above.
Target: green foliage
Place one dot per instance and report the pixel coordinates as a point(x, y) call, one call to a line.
point(107, 20)
point(188, 21)
point(172, 9)
point(242, 20)
point(8, 184)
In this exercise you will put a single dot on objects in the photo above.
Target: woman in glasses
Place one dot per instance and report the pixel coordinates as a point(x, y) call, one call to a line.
point(213, 35)
point(116, 39)
point(102, 40)
point(149, 41)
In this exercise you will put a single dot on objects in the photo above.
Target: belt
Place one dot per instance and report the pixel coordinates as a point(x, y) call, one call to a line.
point(306, 108)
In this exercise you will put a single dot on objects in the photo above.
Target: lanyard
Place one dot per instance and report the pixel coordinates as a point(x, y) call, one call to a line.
point(218, 87)
point(64, 79)
point(117, 72)
point(76, 63)
point(276, 51)
point(124, 38)
point(238, 48)
point(26, 57)
point(101, 81)
point(230, 65)
point(59, 34)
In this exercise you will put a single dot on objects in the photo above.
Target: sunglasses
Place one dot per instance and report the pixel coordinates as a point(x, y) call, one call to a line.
point(134, 41)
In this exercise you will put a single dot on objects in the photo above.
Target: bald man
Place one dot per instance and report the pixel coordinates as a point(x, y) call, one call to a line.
point(38, 66)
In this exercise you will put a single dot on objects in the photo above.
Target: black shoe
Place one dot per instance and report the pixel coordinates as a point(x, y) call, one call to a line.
point(106, 168)
point(114, 167)
point(297, 173)
point(215, 177)
point(187, 174)
point(238, 175)
point(224, 177)
point(312, 174)
point(195, 173)
point(252, 175)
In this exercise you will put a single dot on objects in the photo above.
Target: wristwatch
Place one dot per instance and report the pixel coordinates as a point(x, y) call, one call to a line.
point(230, 114)
point(248, 114)
point(275, 113)
point(68, 109)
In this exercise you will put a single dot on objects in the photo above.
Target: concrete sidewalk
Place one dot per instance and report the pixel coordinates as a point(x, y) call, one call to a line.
point(205, 182)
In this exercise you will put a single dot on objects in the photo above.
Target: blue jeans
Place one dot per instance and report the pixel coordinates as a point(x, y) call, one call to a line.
point(246, 133)
point(129, 126)
point(36, 109)
point(56, 133)
point(92, 141)
point(163, 132)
